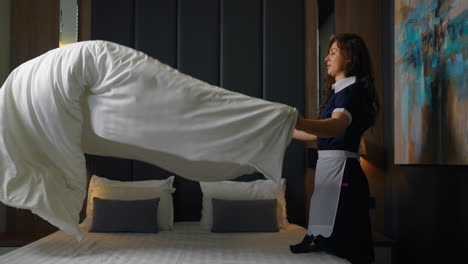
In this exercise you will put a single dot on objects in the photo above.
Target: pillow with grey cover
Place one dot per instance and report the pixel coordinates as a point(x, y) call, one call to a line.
point(244, 216)
point(116, 216)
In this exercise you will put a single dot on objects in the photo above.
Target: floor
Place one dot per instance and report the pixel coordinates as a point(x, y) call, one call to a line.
point(4, 250)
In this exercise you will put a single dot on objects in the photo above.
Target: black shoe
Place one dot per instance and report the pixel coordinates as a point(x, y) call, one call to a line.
point(305, 246)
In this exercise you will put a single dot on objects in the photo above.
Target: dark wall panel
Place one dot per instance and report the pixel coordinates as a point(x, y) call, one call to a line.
point(293, 171)
point(187, 200)
point(113, 20)
point(284, 82)
point(187, 197)
point(156, 29)
point(108, 167)
point(284, 52)
point(241, 46)
point(199, 39)
point(34, 31)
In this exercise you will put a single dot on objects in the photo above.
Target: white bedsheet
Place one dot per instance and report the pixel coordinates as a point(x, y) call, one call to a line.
point(186, 244)
point(101, 98)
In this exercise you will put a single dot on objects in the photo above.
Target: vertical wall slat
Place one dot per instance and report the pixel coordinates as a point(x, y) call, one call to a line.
point(113, 20)
point(109, 167)
point(311, 83)
point(34, 30)
point(241, 46)
point(284, 52)
point(84, 19)
point(284, 82)
point(198, 53)
point(156, 29)
point(185, 207)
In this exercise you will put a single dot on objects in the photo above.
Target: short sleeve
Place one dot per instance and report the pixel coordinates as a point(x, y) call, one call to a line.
point(343, 103)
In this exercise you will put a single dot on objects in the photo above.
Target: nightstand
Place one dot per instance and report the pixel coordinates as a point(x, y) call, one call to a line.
point(12, 239)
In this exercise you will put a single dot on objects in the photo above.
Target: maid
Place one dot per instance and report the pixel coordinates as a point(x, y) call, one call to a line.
point(339, 220)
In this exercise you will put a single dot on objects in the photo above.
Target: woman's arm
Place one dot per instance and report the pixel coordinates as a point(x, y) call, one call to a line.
point(330, 127)
point(303, 136)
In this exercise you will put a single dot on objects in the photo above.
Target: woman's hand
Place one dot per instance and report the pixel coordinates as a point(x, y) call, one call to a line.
point(299, 123)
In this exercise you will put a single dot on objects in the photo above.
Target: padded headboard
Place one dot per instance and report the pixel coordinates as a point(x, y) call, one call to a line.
point(253, 47)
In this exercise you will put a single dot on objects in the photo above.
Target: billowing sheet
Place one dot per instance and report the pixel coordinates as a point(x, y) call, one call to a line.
point(188, 243)
point(101, 98)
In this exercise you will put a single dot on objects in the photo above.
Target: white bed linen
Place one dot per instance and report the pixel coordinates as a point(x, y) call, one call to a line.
point(186, 244)
point(101, 98)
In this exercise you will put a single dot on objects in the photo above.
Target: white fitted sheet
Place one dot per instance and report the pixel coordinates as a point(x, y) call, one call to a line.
point(187, 243)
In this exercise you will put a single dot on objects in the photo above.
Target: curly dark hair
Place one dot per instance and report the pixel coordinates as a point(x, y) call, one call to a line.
point(355, 51)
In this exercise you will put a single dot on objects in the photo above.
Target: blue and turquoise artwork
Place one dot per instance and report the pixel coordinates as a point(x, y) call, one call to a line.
point(431, 82)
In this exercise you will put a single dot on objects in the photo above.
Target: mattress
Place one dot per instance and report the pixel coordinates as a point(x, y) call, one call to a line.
point(187, 243)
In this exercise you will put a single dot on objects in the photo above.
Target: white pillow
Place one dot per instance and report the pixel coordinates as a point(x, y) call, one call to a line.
point(135, 190)
point(254, 190)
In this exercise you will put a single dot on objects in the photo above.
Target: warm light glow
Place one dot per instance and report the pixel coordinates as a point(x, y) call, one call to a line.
point(68, 30)
point(370, 169)
point(362, 160)
point(362, 147)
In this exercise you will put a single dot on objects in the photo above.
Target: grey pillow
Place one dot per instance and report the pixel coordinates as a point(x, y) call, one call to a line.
point(244, 216)
point(139, 216)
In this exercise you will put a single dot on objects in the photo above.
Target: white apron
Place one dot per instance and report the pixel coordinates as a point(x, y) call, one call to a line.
point(324, 202)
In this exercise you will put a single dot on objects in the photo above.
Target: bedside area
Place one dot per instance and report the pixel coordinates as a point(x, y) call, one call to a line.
point(11, 241)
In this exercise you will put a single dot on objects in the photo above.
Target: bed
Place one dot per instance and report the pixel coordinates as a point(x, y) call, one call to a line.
point(187, 239)
point(186, 243)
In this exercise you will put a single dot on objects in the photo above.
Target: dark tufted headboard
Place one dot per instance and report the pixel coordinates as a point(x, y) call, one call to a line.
point(253, 47)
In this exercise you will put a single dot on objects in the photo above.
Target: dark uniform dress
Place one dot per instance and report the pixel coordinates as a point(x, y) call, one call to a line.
point(351, 237)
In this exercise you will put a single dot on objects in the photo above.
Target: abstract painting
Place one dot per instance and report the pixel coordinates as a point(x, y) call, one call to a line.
point(431, 82)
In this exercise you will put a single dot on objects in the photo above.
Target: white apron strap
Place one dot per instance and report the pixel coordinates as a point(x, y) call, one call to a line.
point(324, 202)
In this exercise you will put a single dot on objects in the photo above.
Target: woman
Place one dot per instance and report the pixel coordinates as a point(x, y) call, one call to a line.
point(339, 221)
